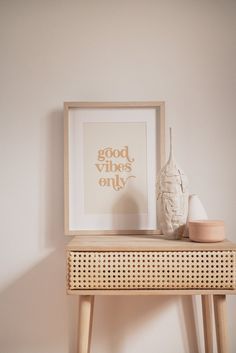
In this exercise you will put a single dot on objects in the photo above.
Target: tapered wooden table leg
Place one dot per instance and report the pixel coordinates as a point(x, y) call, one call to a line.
point(221, 323)
point(207, 322)
point(86, 303)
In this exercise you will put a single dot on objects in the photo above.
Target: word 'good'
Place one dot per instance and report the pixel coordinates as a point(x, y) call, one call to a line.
point(110, 152)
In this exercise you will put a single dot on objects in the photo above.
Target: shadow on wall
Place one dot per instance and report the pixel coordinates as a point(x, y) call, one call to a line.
point(129, 203)
point(36, 314)
point(51, 181)
point(125, 202)
point(121, 316)
point(189, 324)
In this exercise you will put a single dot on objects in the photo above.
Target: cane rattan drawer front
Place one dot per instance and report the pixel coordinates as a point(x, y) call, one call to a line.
point(151, 270)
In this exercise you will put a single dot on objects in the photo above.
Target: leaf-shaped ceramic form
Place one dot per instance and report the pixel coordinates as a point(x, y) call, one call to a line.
point(172, 197)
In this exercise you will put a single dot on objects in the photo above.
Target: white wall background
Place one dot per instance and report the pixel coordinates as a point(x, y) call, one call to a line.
point(182, 52)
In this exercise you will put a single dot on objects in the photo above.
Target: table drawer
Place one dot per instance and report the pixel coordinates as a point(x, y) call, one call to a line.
point(151, 269)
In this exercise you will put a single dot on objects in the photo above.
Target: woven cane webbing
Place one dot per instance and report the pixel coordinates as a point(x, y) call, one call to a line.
point(151, 270)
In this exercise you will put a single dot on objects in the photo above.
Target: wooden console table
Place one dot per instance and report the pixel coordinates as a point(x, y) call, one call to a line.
point(150, 265)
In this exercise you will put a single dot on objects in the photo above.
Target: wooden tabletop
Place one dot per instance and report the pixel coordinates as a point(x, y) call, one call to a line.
point(141, 243)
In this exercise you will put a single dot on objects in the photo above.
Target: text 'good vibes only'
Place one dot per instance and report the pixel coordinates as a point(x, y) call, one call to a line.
point(117, 162)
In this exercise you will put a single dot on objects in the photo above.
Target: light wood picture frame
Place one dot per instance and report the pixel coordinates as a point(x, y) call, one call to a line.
point(113, 153)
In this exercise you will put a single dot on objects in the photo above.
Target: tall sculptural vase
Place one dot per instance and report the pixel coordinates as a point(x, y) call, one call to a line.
point(172, 198)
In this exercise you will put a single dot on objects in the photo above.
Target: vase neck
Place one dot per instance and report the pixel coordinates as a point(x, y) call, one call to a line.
point(171, 146)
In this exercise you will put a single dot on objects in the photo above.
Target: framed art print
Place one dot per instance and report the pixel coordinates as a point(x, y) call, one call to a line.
point(113, 153)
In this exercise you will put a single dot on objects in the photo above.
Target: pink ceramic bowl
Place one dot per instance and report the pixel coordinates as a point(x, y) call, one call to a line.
point(207, 231)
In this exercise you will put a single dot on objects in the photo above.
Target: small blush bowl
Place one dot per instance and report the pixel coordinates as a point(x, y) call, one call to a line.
point(207, 231)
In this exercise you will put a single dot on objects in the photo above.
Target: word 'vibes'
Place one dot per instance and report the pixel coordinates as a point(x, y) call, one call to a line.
point(107, 163)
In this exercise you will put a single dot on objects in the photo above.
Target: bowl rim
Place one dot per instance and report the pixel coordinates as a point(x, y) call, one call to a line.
point(207, 222)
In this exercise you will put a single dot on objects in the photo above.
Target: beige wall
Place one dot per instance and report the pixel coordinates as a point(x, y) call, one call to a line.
point(182, 52)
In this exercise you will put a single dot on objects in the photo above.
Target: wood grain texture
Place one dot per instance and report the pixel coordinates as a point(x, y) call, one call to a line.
point(221, 323)
point(141, 242)
point(104, 105)
point(161, 135)
point(153, 292)
point(86, 233)
point(66, 170)
point(207, 322)
point(86, 304)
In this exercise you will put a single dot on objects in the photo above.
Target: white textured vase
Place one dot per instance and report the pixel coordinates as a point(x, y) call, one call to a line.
point(196, 211)
point(172, 198)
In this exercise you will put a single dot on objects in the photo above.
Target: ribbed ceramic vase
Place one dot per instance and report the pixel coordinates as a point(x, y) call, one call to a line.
point(172, 198)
